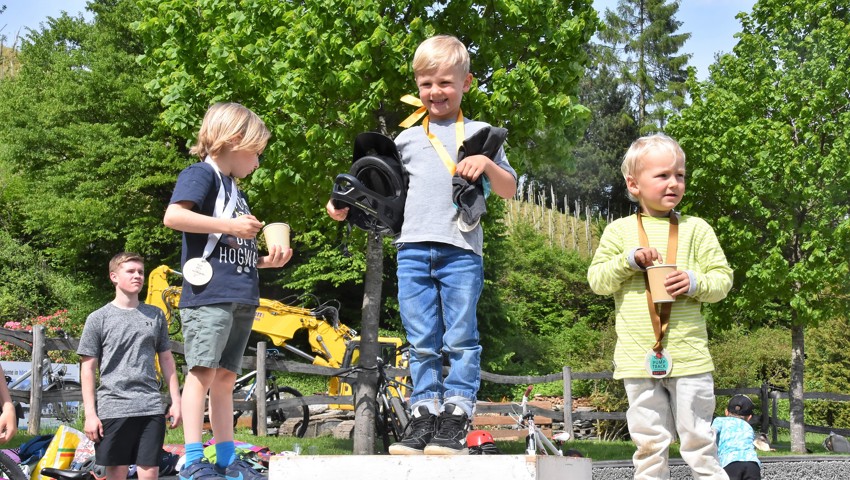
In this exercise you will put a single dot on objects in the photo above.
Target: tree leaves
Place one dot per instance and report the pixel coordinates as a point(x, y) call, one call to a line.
point(767, 146)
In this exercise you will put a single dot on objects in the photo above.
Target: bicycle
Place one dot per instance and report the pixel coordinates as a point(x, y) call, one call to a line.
point(246, 386)
point(535, 440)
point(10, 470)
point(391, 416)
point(54, 379)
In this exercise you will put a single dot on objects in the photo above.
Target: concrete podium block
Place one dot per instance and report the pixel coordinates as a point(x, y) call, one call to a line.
point(429, 467)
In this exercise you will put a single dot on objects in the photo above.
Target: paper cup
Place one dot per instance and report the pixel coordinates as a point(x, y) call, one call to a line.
point(276, 234)
point(656, 275)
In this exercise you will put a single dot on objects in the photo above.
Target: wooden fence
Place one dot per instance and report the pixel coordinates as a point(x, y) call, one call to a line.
point(38, 345)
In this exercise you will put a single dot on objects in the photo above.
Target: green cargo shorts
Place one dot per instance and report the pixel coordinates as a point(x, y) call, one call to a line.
point(216, 335)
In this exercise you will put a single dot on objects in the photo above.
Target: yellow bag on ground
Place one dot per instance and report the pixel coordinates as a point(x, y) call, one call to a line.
point(60, 452)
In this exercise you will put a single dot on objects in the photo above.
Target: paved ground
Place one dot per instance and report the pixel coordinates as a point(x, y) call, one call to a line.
point(773, 468)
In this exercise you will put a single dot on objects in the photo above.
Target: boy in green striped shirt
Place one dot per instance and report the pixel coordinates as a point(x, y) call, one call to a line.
point(662, 348)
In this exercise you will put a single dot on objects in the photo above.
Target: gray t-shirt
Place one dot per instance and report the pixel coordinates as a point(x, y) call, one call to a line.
point(429, 214)
point(124, 342)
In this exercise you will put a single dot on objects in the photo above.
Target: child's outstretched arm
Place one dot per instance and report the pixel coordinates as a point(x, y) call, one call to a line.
point(180, 216)
point(8, 418)
point(337, 214)
point(502, 182)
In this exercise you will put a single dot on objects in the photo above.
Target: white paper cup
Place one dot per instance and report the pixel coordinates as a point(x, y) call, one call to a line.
point(276, 234)
point(656, 275)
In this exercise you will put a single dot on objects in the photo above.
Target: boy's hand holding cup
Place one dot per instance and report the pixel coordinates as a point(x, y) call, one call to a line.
point(276, 233)
point(276, 236)
point(657, 276)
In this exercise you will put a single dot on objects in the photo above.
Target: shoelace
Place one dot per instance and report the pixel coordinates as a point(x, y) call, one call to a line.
point(450, 423)
point(417, 425)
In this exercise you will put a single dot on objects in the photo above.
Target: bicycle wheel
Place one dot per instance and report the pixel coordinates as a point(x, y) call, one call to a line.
point(382, 424)
point(65, 412)
point(9, 470)
point(276, 416)
point(390, 419)
point(400, 417)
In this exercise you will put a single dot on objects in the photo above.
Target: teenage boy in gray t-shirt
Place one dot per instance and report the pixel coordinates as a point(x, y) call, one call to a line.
point(126, 417)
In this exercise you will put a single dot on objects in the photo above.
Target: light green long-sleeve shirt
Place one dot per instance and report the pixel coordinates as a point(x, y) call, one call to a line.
point(611, 274)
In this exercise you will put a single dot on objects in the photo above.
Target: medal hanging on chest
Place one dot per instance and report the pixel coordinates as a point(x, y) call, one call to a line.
point(658, 362)
point(198, 271)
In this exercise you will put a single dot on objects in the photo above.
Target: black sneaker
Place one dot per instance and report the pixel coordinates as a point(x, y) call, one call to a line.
point(450, 438)
point(419, 433)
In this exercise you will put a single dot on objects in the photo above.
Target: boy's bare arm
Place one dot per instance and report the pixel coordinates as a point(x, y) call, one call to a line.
point(8, 417)
point(180, 216)
point(502, 182)
point(93, 427)
point(169, 372)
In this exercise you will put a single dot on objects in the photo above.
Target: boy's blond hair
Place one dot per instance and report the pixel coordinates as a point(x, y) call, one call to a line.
point(631, 160)
point(230, 126)
point(122, 258)
point(438, 51)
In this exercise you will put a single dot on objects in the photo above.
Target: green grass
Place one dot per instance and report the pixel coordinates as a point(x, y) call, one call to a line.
point(597, 450)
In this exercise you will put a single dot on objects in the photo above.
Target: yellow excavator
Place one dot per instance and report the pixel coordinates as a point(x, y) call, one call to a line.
point(332, 343)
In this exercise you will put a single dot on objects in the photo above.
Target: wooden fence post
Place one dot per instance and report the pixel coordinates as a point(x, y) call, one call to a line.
point(773, 415)
point(34, 424)
point(260, 391)
point(764, 397)
point(568, 400)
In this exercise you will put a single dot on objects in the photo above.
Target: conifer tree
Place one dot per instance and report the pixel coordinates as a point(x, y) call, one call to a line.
point(642, 36)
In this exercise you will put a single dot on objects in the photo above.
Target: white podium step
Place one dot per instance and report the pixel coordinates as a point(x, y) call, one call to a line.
point(429, 467)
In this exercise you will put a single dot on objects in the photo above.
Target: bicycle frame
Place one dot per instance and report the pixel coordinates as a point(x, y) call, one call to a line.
point(53, 376)
point(535, 440)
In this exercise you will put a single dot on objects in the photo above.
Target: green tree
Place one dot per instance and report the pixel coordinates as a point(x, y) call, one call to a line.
point(597, 180)
point(594, 179)
point(319, 72)
point(642, 36)
point(88, 174)
point(767, 141)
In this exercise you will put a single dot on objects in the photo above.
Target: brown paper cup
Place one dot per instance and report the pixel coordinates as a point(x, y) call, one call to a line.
point(656, 275)
point(276, 234)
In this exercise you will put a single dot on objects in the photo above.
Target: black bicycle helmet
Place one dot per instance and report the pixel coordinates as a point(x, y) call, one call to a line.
point(375, 187)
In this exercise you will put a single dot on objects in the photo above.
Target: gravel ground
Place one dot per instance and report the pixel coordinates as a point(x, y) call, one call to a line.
point(773, 468)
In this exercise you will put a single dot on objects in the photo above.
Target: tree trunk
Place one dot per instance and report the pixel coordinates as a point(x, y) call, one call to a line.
point(367, 380)
point(798, 428)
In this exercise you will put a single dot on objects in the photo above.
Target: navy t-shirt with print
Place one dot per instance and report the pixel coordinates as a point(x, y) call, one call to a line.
point(233, 259)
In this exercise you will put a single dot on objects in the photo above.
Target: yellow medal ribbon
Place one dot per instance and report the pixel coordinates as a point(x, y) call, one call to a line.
point(415, 116)
point(435, 142)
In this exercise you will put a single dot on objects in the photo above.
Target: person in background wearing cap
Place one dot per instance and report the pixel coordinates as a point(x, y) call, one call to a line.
point(735, 440)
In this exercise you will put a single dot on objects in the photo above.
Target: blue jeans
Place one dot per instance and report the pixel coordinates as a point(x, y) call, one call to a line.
point(438, 290)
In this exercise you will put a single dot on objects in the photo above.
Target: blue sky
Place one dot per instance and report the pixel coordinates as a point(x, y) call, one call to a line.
point(712, 23)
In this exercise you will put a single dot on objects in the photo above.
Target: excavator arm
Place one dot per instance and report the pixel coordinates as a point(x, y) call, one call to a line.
point(278, 321)
point(332, 343)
